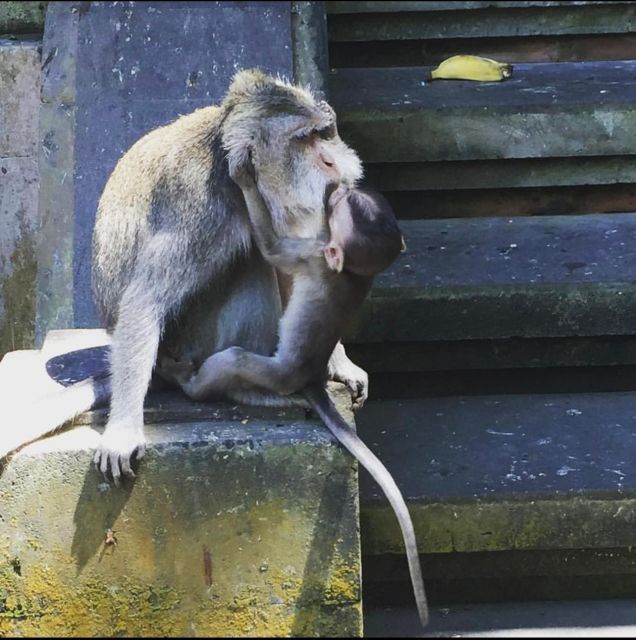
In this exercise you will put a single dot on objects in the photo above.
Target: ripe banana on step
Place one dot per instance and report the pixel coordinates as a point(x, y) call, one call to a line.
point(472, 68)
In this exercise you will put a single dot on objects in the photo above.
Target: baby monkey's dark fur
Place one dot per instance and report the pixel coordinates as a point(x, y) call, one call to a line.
point(331, 278)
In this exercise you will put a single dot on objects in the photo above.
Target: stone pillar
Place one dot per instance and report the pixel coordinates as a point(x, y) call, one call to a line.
point(19, 104)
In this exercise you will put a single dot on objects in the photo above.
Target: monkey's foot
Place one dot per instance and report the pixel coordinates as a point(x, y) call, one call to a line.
point(120, 442)
point(354, 378)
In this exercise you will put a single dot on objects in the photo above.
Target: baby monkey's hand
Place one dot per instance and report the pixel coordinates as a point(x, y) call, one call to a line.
point(177, 371)
point(244, 175)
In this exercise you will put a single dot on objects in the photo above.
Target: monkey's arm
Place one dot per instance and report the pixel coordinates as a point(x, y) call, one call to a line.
point(280, 252)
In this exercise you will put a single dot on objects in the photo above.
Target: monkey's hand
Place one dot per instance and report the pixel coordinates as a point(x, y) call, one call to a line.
point(121, 441)
point(244, 176)
point(341, 369)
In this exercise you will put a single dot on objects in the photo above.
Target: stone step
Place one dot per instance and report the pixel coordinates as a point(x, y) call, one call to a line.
point(382, 21)
point(393, 6)
point(394, 34)
point(604, 618)
point(547, 278)
point(241, 520)
point(517, 473)
point(544, 110)
point(404, 178)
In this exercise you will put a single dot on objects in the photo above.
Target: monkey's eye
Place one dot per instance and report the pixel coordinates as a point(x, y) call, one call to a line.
point(303, 135)
point(326, 133)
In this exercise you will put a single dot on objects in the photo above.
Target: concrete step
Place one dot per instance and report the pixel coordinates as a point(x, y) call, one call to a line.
point(550, 619)
point(557, 277)
point(545, 110)
point(381, 21)
point(241, 520)
point(507, 473)
point(394, 34)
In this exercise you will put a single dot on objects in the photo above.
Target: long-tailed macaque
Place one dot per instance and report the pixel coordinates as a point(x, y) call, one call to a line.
point(331, 278)
point(175, 268)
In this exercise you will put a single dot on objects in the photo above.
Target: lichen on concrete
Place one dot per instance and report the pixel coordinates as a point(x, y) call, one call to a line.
point(229, 530)
point(22, 17)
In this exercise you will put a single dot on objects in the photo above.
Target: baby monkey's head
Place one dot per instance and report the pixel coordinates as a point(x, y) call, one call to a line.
point(365, 237)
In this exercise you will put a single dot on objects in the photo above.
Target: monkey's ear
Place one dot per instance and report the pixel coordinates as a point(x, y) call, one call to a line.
point(248, 81)
point(239, 156)
point(334, 255)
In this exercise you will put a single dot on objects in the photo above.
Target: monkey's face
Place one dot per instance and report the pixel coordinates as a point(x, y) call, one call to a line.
point(298, 166)
point(293, 143)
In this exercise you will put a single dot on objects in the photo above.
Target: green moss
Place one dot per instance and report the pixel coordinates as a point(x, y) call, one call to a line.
point(18, 294)
point(22, 17)
point(504, 525)
point(240, 537)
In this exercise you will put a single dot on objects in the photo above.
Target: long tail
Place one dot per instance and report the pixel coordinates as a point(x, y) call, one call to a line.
point(51, 412)
point(324, 407)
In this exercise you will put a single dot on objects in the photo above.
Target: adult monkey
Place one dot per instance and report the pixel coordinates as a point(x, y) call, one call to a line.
point(175, 271)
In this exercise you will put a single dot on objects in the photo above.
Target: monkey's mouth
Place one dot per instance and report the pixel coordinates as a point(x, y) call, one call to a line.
point(330, 189)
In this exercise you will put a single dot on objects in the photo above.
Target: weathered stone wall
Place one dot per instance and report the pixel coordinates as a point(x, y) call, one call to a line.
point(19, 104)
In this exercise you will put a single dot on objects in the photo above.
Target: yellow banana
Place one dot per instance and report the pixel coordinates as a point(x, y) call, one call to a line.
point(472, 68)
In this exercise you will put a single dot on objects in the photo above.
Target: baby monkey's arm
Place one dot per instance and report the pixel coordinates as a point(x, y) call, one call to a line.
point(280, 252)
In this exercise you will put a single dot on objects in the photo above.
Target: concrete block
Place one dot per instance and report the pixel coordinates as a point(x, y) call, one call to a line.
point(241, 522)
point(19, 180)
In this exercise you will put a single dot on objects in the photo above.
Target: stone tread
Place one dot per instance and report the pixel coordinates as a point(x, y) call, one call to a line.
point(498, 20)
point(29, 377)
point(504, 472)
point(349, 7)
point(553, 276)
point(543, 110)
point(601, 618)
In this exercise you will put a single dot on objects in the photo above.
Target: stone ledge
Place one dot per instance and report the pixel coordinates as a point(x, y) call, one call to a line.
point(499, 473)
point(544, 110)
point(232, 527)
point(241, 521)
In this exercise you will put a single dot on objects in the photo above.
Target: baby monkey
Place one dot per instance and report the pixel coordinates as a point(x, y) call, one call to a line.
point(331, 278)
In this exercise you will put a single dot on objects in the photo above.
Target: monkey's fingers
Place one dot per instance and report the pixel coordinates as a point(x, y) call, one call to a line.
point(359, 393)
point(126, 469)
point(115, 463)
point(103, 460)
point(126, 461)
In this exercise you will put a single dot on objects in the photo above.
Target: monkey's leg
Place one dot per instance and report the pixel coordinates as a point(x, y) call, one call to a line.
point(228, 372)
